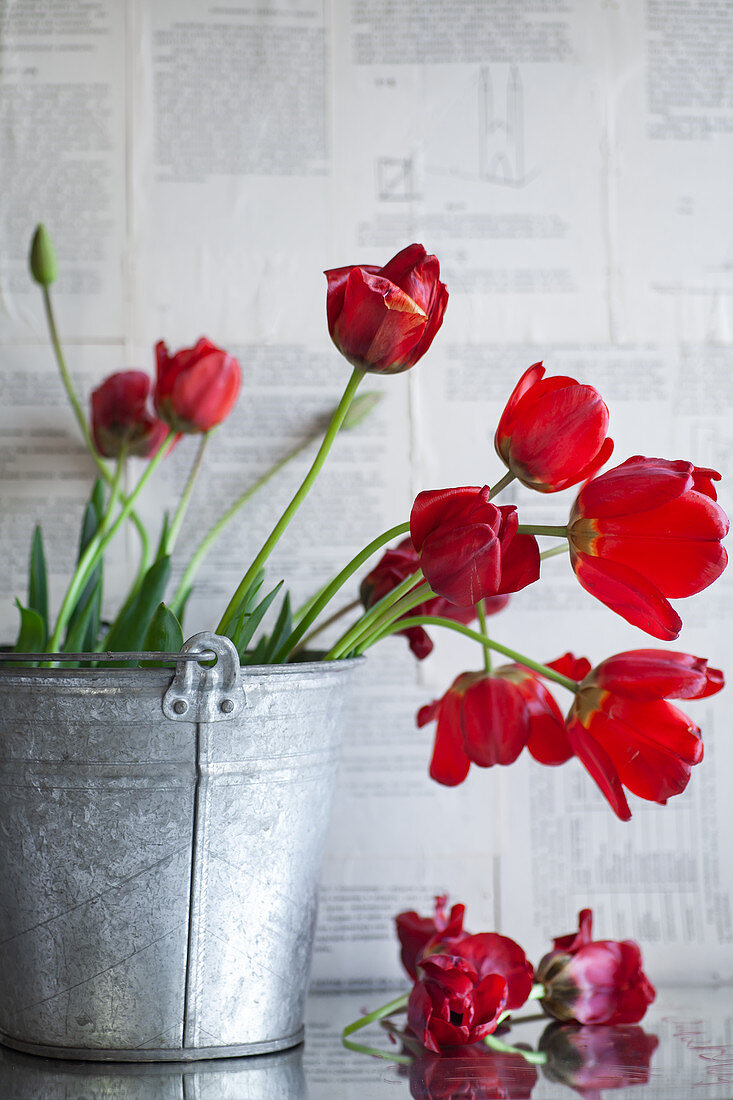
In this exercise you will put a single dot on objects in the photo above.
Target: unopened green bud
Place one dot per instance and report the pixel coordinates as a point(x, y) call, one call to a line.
point(42, 259)
point(360, 408)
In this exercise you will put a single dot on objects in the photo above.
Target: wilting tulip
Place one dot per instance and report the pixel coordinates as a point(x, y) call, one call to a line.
point(451, 1006)
point(552, 433)
point(593, 1059)
point(395, 566)
point(488, 718)
point(625, 732)
point(468, 548)
point(645, 532)
point(197, 387)
point(383, 319)
point(122, 420)
point(594, 981)
point(415, 933)
point(471, 1073)
point(490, 953)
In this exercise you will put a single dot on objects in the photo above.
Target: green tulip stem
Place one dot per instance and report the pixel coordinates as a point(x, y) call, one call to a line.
point(305, 642)
point(300, 495)
point(98, 545)
point(374, 618)
point(397, 1005)
point(512, 654)
point(481, 613)
point(331, 588)
point(560, 532)
point(84, 428)
point(114, 493)
point(534, 1057)
point(175, 528)
point(554, 551)
point(501, 484)
point(537, 992)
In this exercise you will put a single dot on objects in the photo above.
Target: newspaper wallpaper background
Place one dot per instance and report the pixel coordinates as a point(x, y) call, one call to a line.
point(198, 165)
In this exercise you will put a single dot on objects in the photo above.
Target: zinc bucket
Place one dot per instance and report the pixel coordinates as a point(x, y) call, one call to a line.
point(161, 840)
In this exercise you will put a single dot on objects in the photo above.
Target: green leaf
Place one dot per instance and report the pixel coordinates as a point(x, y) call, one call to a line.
point(163, 540)
point(130, 627)
point(242, 628)
point(164, 635)
point(90, 598)
point(32, 633)
point(82, 633)
point(37, 579)
point(258, 655)
point(282, 628)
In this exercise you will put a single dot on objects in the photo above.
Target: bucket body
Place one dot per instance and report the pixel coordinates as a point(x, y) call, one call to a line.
point(158, 877)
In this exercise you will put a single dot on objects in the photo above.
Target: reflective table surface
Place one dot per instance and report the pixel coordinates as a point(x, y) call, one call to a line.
point(682, 1049)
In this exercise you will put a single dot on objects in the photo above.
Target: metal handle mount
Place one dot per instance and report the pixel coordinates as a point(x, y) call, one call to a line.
point(201, 694)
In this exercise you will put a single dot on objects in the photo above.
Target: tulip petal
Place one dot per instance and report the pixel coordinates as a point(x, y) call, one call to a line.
point(494, 722)
point(629, 594)
point(548, 741)
point(434, 507)
point(549, 459)
point(462, 564)
point(657, 674)
point(599, 766)
point(520, 564)
point(575, 668)
point(636, 485)
point(413, 271)
point(506, 423)
point(449, 764)
point(337, 278)
point(378, 323)
point(437, 309)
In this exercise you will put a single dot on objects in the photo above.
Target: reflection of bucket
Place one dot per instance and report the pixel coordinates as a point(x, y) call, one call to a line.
point(268, 1077)
point(160, 848)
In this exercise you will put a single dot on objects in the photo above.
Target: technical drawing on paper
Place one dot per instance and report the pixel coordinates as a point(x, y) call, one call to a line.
point(396, 179)
point(502, 155)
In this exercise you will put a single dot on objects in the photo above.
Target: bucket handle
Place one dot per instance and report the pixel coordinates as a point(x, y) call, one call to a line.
point(200, 693)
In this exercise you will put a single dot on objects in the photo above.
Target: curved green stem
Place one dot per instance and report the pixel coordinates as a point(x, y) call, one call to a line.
point(300, 495)
point(512, 654)
point(379, 1014)
point(331, 588)
point(554, 551)
point(542, 529)
point(97, 546)
point(175, 528)
point(534, 1057)
point(305, 642)
point(507, 479)
point(84, 428)
point(481, 612)
point(368, 621)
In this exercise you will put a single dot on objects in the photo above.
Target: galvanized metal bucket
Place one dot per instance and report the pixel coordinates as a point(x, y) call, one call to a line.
point(160, 848)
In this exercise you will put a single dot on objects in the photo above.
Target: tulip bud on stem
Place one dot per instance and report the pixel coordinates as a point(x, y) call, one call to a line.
point(300, 495)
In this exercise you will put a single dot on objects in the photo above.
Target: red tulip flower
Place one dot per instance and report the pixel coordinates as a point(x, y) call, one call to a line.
point(122, 420)
point(645, 532)
point(490, 953)
point(383, 319)
point(593, 1059)
point(468, 548)
point(594, 981)
point(197, 387)
point(552, 433)
point(624, 731)
point(471, 1073)
point(416, 933)
point(451, 1006)
point(488, 718)
point(395, 566)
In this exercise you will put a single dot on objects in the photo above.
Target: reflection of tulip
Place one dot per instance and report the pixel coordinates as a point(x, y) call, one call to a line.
point(592, 1059)
point(197, 387)
point(646, 532)
point(451, 1006)
point(471, 1073)
point(625, 732)
point(594, 981)
point(394, 567)
point(415, 933)
point(469, 548)
point(383, 319)
point(122, 420)
point(552, 433)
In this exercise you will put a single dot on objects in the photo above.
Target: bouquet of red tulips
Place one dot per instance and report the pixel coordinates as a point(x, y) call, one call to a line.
point(639, 534)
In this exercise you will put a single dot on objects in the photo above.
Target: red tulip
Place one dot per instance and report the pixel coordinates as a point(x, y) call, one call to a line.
point(646, 531)
point(121, 417)
point(487, 718)
point(593, 1059)
point(471, 1073)
point(451, 1006)
point(416, 933)
point(552, 433)
point(383, 319)
point(197, 387)
point(395, 566)
point(490, 953)
point(594, 981)
point(468, 548)
point(625, 732)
